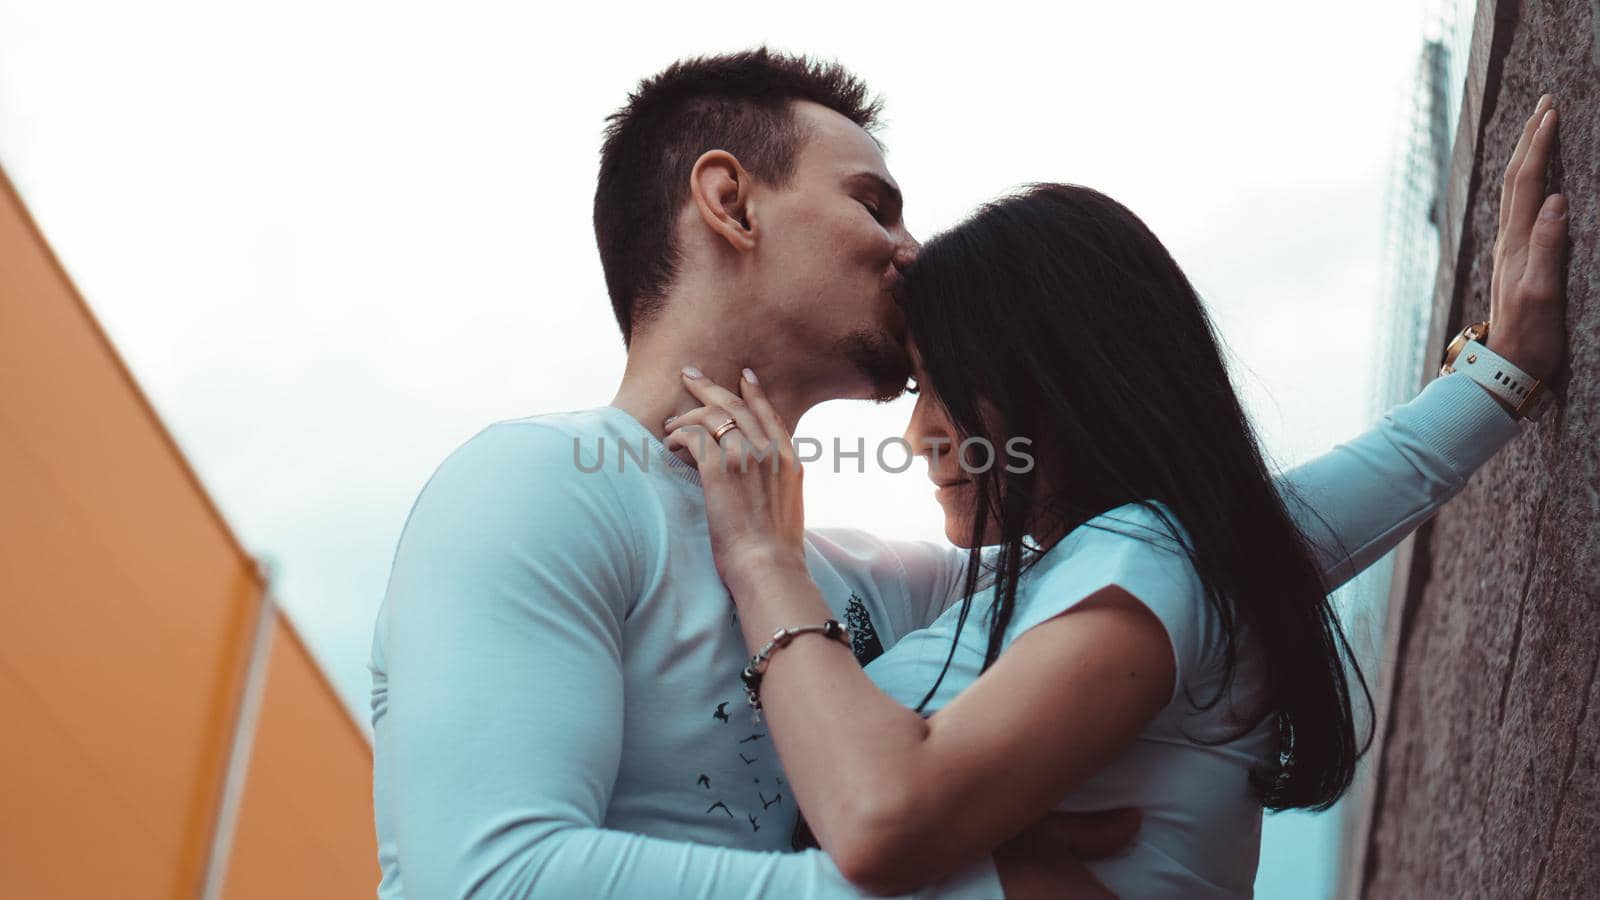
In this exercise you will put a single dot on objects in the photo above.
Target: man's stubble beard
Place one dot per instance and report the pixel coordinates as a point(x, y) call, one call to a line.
point(880, 359)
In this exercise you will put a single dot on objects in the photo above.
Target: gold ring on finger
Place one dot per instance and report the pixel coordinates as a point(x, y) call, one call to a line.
point(723, 429)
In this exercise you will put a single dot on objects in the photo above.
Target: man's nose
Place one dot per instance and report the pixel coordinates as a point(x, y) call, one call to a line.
point(906, 253)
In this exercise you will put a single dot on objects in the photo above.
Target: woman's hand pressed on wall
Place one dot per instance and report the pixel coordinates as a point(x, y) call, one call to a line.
point(1526, 309)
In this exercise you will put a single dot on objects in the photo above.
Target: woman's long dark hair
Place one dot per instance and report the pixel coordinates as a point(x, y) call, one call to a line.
point(1063, 312)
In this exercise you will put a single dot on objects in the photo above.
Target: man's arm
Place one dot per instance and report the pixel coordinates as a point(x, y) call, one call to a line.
point(499, 714)
point(1359, 500)
point(914, 581)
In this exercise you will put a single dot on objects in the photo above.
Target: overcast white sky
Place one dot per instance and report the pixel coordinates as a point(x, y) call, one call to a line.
point(335, 239)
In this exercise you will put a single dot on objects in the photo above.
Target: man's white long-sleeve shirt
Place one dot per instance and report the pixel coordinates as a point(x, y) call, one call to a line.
point(556, 695)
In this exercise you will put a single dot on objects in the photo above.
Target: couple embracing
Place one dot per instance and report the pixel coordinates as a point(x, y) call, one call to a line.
point(653, 681)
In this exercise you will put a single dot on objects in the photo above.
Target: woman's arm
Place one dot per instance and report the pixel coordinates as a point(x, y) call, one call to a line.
point(897, 800)
point(1359, 500)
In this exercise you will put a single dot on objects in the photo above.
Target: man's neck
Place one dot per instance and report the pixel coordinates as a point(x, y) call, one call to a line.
point(652, 385)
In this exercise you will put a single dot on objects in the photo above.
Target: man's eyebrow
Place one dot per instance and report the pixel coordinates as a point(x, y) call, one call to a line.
point(889, 191)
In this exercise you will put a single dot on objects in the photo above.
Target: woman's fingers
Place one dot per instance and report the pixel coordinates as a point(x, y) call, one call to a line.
point(744, 447)
point(1508, 183)
point(706, 417)
point(712, 394)
point(754, 394)
point(695, 441)
point(691, 433)
point(1518, 154)
point(1528, 192)
point(1526, 288)
point(1541, 280)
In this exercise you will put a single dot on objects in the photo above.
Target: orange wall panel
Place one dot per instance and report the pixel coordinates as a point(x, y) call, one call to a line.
point(126, 608)
point(305, 826)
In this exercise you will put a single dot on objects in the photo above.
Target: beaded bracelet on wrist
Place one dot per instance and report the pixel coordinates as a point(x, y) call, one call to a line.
point(757, 667)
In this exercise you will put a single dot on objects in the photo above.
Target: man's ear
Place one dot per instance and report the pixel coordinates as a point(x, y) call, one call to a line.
point(721, 190)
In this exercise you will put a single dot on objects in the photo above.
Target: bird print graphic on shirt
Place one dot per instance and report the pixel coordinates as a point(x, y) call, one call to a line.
point(866, 646)
point(864, 641)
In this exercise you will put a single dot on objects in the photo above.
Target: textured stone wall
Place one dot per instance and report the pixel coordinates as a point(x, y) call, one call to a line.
point(1489, 779)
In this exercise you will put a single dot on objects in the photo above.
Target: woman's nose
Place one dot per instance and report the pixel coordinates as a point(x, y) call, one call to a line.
point(919, 436)
point(918, 447)
point(912, 436)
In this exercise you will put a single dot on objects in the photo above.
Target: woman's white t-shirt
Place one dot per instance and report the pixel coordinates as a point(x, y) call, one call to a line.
point(1201, 827)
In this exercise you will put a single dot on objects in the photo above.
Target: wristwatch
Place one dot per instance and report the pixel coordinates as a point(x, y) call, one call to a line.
point(1468, 354)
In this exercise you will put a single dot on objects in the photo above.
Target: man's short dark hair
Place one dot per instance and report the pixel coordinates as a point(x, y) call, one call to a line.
point(738, 102)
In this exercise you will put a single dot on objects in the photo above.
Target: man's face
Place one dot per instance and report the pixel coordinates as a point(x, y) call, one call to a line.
point(830, 255)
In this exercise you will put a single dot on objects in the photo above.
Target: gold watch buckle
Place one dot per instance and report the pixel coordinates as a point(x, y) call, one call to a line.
point(1477, 331)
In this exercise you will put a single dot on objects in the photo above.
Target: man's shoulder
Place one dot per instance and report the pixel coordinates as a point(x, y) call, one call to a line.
point(525, 488)
point(545, 442)
point(903, 583)
point(591, 422)
point(562, 427)
point(536, 464)
point(511, 523)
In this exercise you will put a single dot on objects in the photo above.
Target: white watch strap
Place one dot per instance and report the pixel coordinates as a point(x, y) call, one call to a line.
point(1496, 373)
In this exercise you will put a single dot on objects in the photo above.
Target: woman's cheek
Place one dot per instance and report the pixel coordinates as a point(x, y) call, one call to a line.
point(958, 507)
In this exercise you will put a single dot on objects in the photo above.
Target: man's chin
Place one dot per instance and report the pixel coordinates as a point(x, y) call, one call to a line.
point(881, 361)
